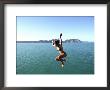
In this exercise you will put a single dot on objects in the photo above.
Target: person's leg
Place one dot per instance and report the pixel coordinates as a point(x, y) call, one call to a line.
point(61, 56)
point(57, 58)
point(63, 59)
point(62, 62)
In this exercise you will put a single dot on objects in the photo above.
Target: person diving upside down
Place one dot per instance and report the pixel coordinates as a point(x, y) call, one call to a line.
point(57, 43)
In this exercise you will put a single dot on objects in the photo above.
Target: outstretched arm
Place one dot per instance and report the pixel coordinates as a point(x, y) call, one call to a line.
point(60, 35)
point(60, 39)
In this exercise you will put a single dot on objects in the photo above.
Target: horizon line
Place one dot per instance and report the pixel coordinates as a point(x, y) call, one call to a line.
point(49, 40)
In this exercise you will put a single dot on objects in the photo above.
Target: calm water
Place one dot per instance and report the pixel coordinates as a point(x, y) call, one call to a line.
point(39, 58)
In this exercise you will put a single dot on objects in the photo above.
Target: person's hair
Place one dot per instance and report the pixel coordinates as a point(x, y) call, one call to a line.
point(57, 42)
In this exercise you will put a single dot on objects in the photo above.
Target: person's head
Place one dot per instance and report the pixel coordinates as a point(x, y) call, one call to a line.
point(56, 42)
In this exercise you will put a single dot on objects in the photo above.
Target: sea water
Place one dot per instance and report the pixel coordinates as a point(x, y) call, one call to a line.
point(39, 58)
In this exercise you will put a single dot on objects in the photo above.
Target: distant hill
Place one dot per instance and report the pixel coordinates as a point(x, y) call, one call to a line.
point(72, 40)
point(50, 41)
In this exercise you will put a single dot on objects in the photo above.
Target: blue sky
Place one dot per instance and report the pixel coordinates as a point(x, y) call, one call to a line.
point(33, 28)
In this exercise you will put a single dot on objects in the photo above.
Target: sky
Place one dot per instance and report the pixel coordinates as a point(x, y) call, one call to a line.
point(34, 28)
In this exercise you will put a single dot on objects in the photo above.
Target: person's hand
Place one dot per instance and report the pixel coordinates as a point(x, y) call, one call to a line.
point(60, 35)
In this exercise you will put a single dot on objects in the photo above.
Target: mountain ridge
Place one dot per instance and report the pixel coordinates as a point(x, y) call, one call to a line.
point(50, 41)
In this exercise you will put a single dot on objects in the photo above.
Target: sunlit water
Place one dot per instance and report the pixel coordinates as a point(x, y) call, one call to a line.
point(39, 58)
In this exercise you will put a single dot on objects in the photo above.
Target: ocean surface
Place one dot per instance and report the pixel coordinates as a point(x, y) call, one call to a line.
point(39, 58)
